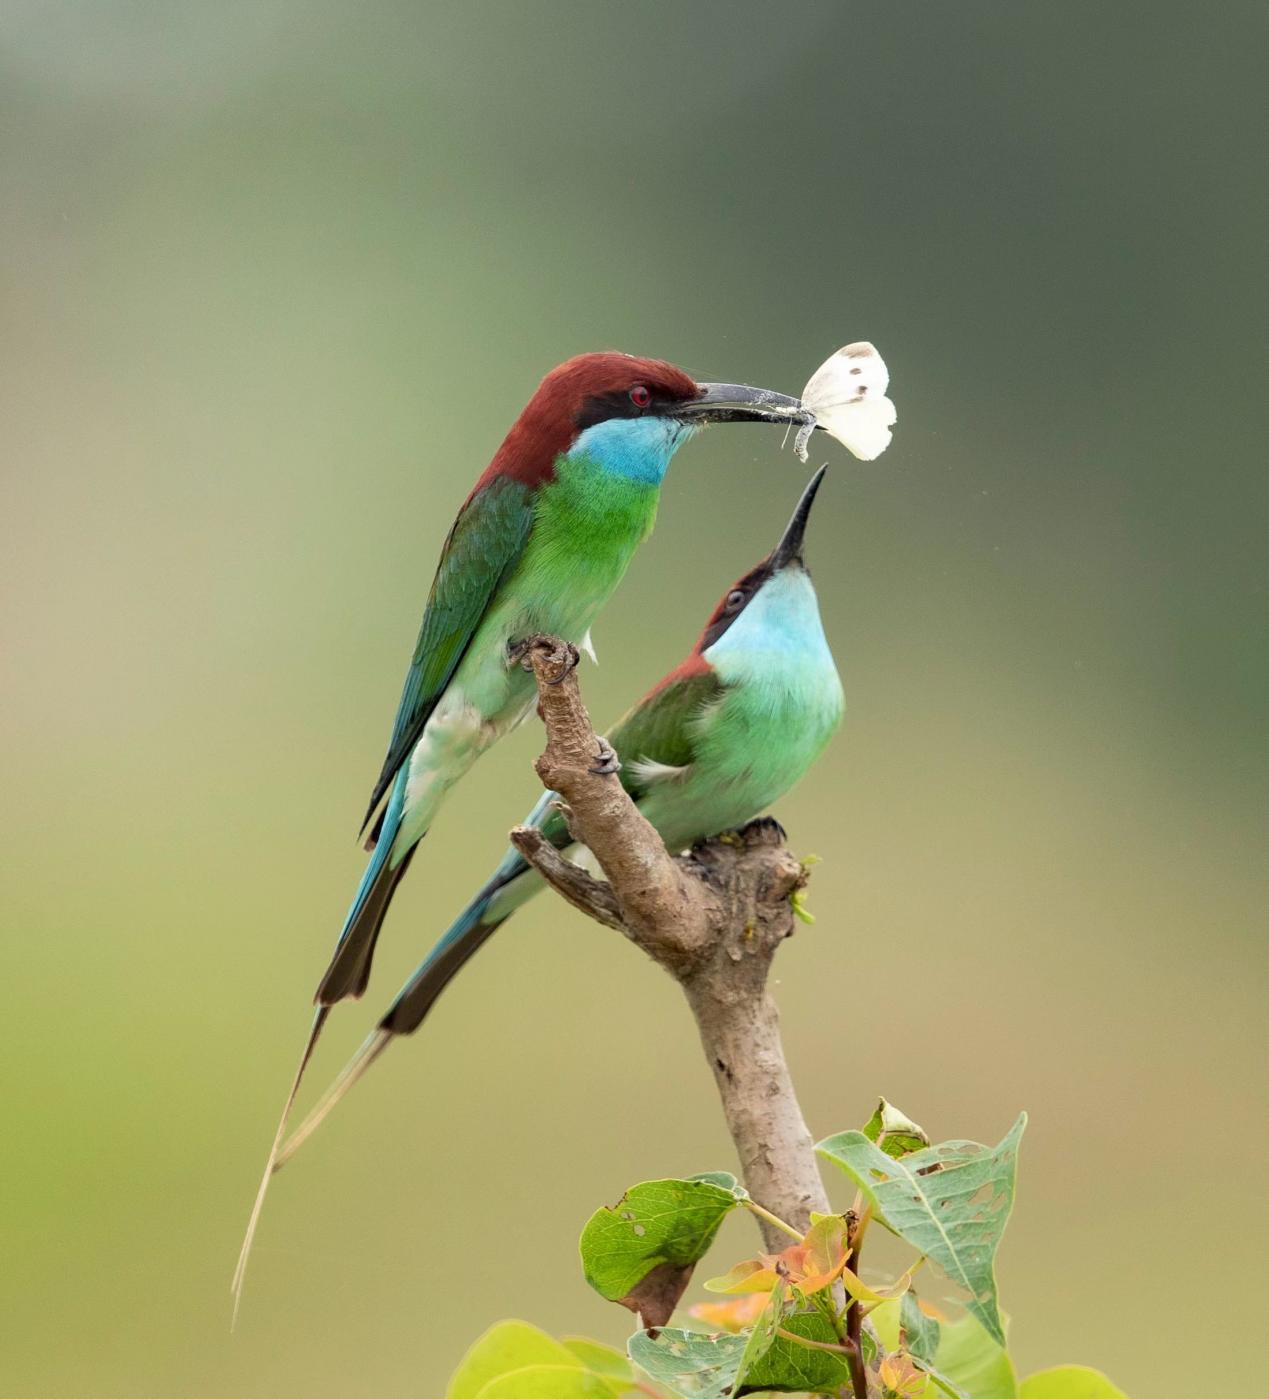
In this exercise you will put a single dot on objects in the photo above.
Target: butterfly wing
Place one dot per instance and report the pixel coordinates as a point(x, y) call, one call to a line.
point(847, 395)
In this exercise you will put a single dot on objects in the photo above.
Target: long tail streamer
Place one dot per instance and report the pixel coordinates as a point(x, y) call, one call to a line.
point(240, 1272)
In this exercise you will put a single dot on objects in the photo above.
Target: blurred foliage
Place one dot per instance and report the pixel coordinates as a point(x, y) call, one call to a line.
point(276, 277)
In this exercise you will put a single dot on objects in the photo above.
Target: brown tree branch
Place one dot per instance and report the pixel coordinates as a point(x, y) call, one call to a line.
point(712, 918)
point(570, 881)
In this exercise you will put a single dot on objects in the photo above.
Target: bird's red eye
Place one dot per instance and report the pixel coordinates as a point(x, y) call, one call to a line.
point(640, 396)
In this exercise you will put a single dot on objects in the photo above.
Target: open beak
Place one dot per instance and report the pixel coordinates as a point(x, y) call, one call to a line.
point(738, 403)
point(789, 549)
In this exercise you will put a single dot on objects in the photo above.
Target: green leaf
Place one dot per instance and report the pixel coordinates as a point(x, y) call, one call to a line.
point(602, 1359)
point(920, 1331)
point(641, 1251)
point(1070, 1382)
point(970, 1360)
point(689, 1364)
point(870, 1347)
point(725, 1180)
point(941, 1381)
point(550, 1382)
point(894, 1133)
point(762, 1335)
point(955, 1214)
point(789, 1368)
point(510, 1345)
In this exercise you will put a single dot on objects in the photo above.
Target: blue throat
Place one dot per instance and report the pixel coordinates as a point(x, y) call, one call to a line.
point(781, 629)
point(638, 449)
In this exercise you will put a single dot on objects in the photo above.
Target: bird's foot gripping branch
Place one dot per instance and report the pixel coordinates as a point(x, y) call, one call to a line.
point(799, 1317)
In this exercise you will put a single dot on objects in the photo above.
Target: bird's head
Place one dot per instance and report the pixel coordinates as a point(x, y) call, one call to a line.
point(628, 412)
point(776, 596)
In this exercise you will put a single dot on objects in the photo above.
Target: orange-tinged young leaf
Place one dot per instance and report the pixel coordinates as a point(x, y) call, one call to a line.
point(753, 1275)
point(810, 1266)
point(901, 1377)
point(870, 1296)
point(736, 1314)
point(825, 1252)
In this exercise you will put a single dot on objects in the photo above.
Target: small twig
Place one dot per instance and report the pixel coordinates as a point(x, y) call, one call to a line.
point(850, 1349)
point(858, 1374)
point(774, 1220)
point(569, 880)
point(814, 1345)
point(855, 1227)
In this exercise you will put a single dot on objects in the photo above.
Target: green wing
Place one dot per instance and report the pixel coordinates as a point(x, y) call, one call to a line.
point(659, 728)
point(482, 548)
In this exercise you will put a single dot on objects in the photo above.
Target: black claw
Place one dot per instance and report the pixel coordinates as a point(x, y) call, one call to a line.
point(574, 660)
point(766, 824)
point(518, 653)
point(607, 762)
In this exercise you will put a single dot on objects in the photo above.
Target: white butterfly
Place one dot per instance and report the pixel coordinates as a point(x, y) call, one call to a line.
point(847, 396)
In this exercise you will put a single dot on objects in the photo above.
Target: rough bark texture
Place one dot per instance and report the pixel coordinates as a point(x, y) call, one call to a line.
point(712, 918)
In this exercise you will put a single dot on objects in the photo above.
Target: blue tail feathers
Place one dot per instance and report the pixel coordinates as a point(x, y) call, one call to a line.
point(486, 912)
point(349, 969)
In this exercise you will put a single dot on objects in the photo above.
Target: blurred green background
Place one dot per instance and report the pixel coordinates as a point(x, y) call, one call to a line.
point(276, 278)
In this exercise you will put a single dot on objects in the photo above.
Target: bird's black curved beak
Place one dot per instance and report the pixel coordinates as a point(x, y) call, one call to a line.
point(789, 549)
point(738, 403)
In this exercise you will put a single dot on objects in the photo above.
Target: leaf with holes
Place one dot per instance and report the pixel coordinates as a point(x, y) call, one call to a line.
point(1070, 1382)
point(950, 1201)
point(641, 1251)
point(687, 1363)
point(704, 1367)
